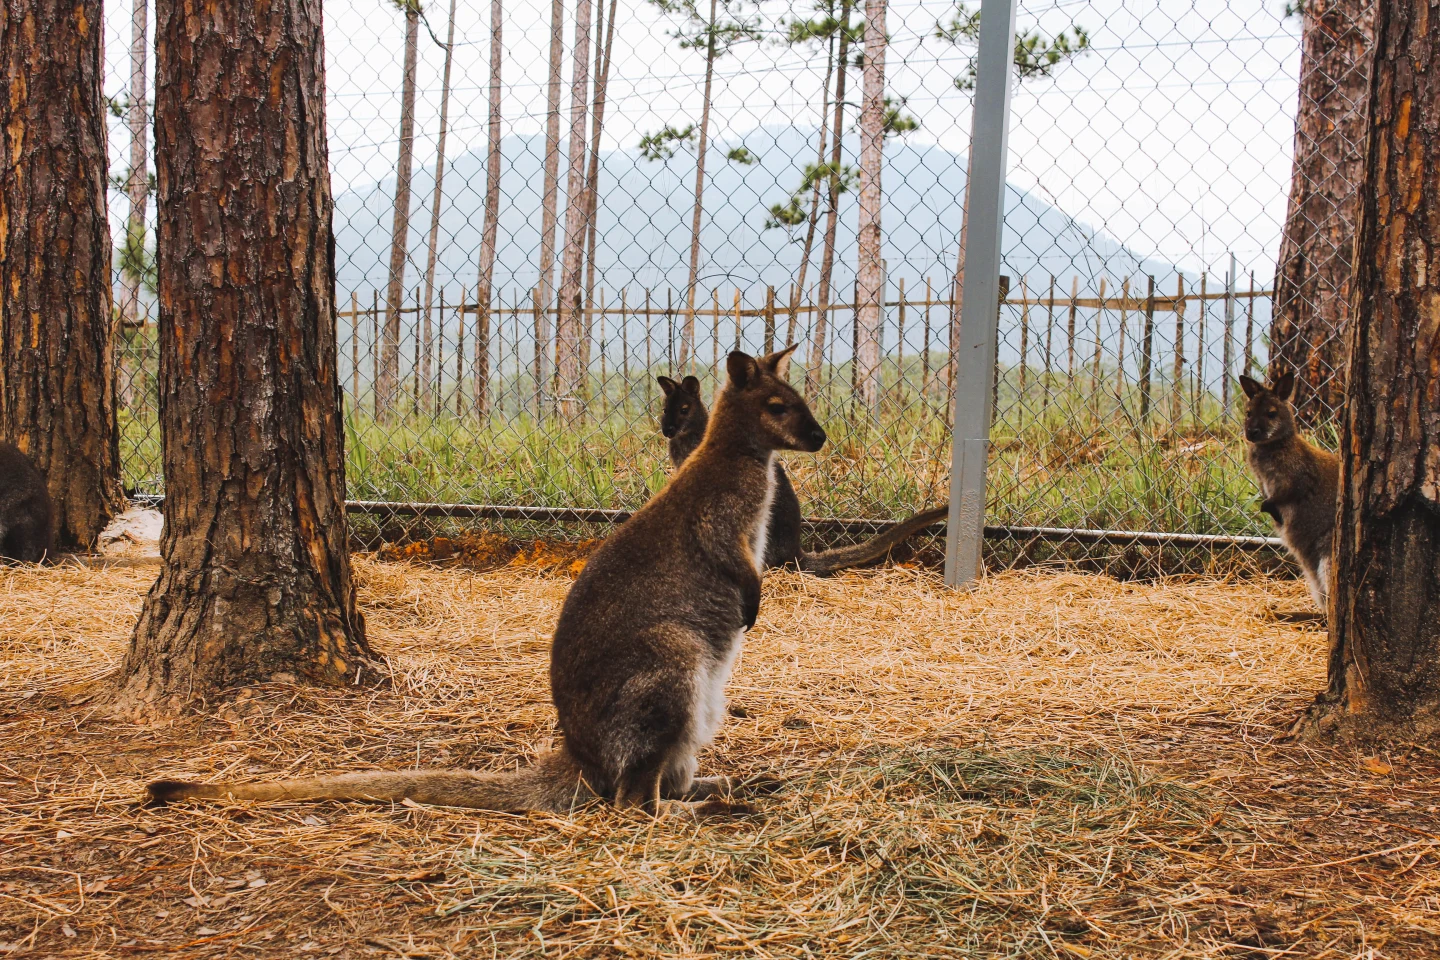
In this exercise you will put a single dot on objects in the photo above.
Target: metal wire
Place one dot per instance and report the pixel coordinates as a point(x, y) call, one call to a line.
point(1150, 161)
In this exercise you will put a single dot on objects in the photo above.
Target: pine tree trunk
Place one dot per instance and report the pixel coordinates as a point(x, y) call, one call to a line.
point(571, 311)
point(870, 292)
point(548, 203)
point(57, 332)
point(256, 583)
point(387, 389)
point(435, 204)
point(687, 344)
point(809, 245)
point(1384, 628)
point(1313, 278)
point(827, 259)
point(137, 188)
point(592, 178)
point(490, 225)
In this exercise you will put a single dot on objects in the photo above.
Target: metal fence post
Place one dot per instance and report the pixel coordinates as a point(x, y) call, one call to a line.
point(979, 318)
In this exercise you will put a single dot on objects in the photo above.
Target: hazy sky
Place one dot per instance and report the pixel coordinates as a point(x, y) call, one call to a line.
point(1173, 134)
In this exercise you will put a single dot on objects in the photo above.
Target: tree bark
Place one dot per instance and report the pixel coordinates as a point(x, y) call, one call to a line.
point(255, 584)
point(870, 292)
point(1313, 278)
point(1384, 632)
point(387, 389)
point(548, 204)
point(57, 331)
point(687, 344)
point(571, 310)
point(137, 187)
point(433, 403)
point(827, 259)
point(490, 225)
point(592, 178)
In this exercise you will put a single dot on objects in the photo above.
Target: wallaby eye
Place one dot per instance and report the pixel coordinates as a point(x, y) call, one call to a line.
point(776, 407)
point(685, 408)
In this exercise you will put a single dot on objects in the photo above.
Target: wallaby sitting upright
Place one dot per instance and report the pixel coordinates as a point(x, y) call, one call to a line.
point(646, 638)
point(26, 510)
point(683, 422)
point(1299, 481)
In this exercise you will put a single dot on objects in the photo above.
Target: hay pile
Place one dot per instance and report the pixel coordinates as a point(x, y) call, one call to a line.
point(1054, 765)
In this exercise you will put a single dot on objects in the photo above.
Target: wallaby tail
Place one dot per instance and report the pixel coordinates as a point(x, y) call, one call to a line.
point(829, 561)
point(553, 784)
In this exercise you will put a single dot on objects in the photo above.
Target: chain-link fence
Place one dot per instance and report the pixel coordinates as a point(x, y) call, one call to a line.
point(1150, 162)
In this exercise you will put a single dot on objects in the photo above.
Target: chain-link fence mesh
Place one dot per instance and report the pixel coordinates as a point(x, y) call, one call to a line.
point(1150, 163)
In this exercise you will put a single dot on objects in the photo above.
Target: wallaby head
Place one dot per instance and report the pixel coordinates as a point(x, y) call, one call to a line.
point(1268, 416)
point(758, 400)
point(684, 409)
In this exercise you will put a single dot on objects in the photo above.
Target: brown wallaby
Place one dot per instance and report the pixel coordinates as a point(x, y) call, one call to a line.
point(26, 510)
point(683, 423)
point(1299, 481)
point(646, 638)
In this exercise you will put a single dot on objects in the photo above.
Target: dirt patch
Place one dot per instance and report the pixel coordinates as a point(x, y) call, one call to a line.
point(1052, 765)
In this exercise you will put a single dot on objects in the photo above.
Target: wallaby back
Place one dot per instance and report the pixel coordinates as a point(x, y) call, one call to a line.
point(26, 510)
point(1299, 481)
point(683, 422)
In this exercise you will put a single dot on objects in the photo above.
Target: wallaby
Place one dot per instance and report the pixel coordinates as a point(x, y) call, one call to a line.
point(1300, 482)
point(683, 423)
point(647, 636)
point(26, 510)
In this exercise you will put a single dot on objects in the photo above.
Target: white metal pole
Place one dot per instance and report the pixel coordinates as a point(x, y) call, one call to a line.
point(975, 354)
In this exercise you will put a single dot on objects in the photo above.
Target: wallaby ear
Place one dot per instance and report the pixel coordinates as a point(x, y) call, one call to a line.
point(744, 369)
point(666, 384)
point(778, 363)
point(1247, 384)
point(690, 385)
point(1284, 387)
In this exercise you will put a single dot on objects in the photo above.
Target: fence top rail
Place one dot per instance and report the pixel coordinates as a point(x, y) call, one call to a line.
point(1162, 303)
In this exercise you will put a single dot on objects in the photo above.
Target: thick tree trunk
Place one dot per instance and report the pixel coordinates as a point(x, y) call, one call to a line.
point(255, 583)
point(137, 188)
point(433, 403)
point(870, 292)
point(57, 332)
point(1312, 280)
point(1385, 588)
point(548, 204)
point(387, 389)
point(490, 225)
point(687, 344)
point(570, 311)
point(827, 259)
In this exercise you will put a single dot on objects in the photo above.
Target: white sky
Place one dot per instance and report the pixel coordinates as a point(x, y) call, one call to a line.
point(1173, 135)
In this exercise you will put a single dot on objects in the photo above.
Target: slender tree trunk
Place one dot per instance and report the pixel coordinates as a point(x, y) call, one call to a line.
point(1385, 589)
point(870, 292)
point(814, 215)
point(1313, 279)
point(592, 178)
point(490, 226)
point(827, 259)
point(57, 332)
point(571, 310)
point(387, 392)
point(435, 202)
point(548, 203)
point(137, 188)
point(255, 584)
point(687, 345)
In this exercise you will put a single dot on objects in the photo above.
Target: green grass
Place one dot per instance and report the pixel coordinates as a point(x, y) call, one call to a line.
point(1063, 453)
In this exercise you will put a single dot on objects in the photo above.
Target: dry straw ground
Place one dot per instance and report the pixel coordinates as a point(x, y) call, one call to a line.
point(1056, 765)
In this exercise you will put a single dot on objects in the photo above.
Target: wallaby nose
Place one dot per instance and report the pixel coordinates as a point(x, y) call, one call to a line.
point(817, 438)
